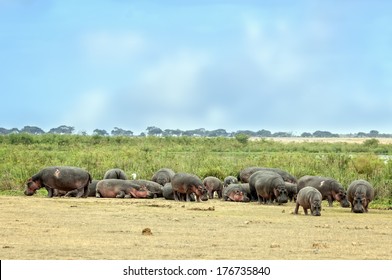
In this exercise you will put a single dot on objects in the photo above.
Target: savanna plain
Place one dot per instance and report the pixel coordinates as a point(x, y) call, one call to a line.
point(38, 227)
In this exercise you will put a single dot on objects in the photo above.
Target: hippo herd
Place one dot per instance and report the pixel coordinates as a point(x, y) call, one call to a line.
point(265, 185)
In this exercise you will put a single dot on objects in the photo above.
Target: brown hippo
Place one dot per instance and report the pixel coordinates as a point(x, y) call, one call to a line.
point(153, 187)
point(360, 193)
point(184, 183)
point(309, 198)
point(329, 188)
point(245, 174)
point(167, 191)
point(115, 173)
point(72, 180)
point(163, 176)
point(229, 180)
point(213, 184)
point(268, 186)
point(118, 188)
point(235, 192)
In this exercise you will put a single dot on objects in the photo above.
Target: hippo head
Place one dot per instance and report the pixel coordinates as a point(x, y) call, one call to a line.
point(281, 194)
point(359, 203)
point(201, 192)
point(143, 192)
point(315, 207)
point(238, 196)
point(32, 187)
point(341, 196)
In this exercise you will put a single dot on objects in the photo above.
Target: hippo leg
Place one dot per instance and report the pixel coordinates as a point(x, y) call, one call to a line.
point(97, 194)
point(176, 196)
point(306, 211)
point(50, 191)
point(85, 191)
point(219, 194)
point(260, 199)
point(296, 209)
point(73, 193)
point(330, 201)
point(121, 194)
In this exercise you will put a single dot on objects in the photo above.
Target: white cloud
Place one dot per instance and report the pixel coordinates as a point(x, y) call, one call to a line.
point(112, 48)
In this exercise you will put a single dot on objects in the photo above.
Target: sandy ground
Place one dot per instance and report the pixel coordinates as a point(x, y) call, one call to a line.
point(131, 229)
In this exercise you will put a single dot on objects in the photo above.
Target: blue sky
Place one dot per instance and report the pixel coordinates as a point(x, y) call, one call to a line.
point(293, 66)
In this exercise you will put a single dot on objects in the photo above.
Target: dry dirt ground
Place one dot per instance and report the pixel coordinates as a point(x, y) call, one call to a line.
point(132, 229)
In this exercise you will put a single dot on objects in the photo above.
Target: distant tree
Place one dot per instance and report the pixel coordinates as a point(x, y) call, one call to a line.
point(246, 132)
point(121, 132)
point(361, 134)
point(217, 133)
point(324, 134)
point(32, 130)
point(306, 134)
point(62, 129)
point(264, 133)
point(373, 133)
point(100, 132)
point(154, 131)
point(5, 131)
point(282, 134)
point(172, 132)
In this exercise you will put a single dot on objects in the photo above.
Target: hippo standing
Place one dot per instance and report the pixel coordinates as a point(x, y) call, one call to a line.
point(184, 183)
point(163, 176)
point(291, 191)
point(153, 187)
point(309, 198)
point(329, 188)
point(118, 188)
point(245, 174)
point(360, 193)
point(213, 184)
point(63, 178)
point(167, 191)
point(268, 186)
point(235, 192)
point(229, 180)
point(115, 173)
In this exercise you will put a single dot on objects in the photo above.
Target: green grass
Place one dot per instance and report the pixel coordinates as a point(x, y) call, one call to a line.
point(24, 155)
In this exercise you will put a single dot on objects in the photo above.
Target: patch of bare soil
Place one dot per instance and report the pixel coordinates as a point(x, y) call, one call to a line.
point(92, 228)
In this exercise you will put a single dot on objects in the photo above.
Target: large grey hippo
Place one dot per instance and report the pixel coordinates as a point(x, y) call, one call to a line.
point(115, 173)
point(118, 188)
point(245, 174)
point(153, 187)
point(184, 183)
point(267, 186)
point(167, 191)
point(360, 193)
point(213, 184)
point(309, 198)
point(72, 180)
point(329, 188)
point(163, 176)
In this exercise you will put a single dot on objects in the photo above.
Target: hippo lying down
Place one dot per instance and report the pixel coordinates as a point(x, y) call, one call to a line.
point(117, 188)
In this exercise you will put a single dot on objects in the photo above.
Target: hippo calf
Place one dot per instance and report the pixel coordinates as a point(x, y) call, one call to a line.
point(163, 176)
point(360, 193)
point(115, 173)
point(118, 188)
point(213, 184)
point(236, 193)
point(184, 183)
point(329, 188)
point(229, 180)
point(309, 198)
point(268, 186)
point(68, 179)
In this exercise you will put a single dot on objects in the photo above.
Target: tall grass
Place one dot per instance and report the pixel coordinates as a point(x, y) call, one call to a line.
point(22, 155)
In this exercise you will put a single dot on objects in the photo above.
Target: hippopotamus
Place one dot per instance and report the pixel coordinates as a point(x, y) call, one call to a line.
point(329, 188)
point(72, 180)
point(213, 184)
point(235, 192)
point(167, 191)
point(229, 180)
point(291, 190)
point(163, 176)
point(184, 183)
point(309, 198)
point(91, 191)
point(360, 193)
point(245, 174)
point(115, 173)
point(268, 186)
point(118, 188)
point(153, 187)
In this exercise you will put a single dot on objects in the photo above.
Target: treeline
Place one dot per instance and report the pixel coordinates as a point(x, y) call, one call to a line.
point(200, 132)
